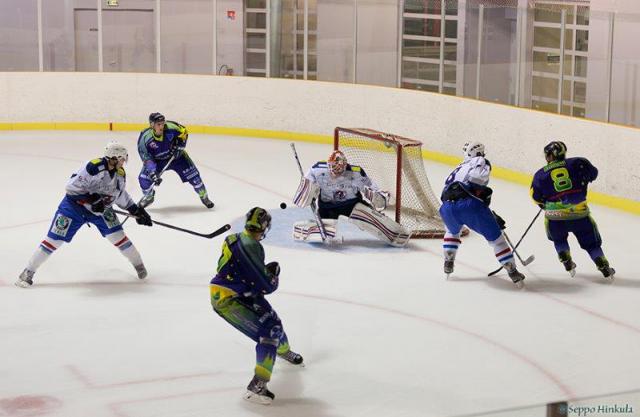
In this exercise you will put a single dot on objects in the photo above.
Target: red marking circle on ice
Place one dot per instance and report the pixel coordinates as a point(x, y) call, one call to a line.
point(28, 405)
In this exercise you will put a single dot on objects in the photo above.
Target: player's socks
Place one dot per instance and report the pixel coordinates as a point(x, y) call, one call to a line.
point(44, 251)
point(204, 196)
point(122, 242)
point(569, 265)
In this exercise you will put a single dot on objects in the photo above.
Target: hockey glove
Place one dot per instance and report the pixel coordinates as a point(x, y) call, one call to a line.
point(142, 217)
point(97, 204)
point(501, 223)
point(178, 146)
point(155, 178)
point(273, 269)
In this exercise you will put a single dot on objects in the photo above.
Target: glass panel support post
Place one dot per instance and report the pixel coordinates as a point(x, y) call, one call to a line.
point(479, 59)
point(563, 24)
point(610, 67)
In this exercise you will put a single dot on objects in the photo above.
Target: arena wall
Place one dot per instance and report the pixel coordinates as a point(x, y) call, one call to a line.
point(309, 110)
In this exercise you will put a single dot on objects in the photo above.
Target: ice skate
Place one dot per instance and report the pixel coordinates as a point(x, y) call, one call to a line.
point(570, 267)
point(258, 393)
point(208, 203)
point(148, 198)
point(603, 266)
point(292, 357)
point(449, 259)
point(141, 270)
point(516, 276)
point(448, 268)
point(25, 280)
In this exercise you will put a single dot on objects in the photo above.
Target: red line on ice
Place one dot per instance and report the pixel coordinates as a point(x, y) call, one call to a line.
point(548, 374)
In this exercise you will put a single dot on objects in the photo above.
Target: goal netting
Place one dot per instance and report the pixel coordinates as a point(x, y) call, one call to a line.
point(395, 164)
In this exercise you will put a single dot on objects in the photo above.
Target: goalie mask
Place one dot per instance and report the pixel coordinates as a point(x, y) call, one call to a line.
point(337, 163)
point(472, 149)
point(555, 151)
point(258, 221)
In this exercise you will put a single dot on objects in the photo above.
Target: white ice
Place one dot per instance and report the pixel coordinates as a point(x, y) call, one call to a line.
point(381, 330)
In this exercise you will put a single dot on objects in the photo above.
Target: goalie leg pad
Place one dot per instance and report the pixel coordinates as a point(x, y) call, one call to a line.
point(308, 230)
point(379, 225)
point(307, 191)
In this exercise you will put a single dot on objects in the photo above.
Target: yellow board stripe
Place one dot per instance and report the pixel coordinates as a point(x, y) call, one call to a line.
point(624, 204)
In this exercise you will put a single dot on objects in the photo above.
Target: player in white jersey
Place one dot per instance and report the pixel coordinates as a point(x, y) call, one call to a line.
point(90, 193)
point(341, 189)
point(465, 201)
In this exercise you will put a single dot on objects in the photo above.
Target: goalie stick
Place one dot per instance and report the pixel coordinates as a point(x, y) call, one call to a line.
point(518, 243)
point(314, 206)
point(211, 235)
point(153, 184)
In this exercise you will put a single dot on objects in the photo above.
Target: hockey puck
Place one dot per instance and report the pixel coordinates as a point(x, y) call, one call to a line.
point(283, 205)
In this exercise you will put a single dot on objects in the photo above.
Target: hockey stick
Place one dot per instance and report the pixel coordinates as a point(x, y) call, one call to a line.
point(153, 184)
point(314, 207)
point(526, 261)
point(211, 235)
point(519, 241)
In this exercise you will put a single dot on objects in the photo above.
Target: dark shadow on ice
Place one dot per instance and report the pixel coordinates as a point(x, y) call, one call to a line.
point(291, 399)
point(354, 239)
point(618, 281)
point(104, 287)
point(196, 207)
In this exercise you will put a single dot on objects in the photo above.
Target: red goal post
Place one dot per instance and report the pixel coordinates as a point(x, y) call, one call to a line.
point(395, 164)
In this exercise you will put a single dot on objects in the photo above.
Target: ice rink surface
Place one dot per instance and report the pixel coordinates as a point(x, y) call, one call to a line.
point(381, 330)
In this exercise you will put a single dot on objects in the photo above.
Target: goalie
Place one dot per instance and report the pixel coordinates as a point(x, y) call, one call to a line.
point(341, 189)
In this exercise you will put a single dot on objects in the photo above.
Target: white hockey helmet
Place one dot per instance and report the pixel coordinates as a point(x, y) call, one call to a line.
point(116, 150)
point(472, 149)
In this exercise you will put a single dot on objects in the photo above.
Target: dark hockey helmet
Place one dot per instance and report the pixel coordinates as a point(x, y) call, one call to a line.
point(258, 221)
point(555, 150)
point(155, 118)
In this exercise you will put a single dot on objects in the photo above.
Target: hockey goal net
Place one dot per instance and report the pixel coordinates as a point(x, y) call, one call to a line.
point(395, 164)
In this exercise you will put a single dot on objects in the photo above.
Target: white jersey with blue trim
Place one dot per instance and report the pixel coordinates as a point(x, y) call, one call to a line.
point(341, 188)
point(472, 171)
point(95, 178)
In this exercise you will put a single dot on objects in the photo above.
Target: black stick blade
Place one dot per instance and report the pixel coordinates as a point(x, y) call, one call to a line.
point(219, 231)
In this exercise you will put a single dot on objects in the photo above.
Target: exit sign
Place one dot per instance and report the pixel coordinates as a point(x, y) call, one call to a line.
point(112, 3)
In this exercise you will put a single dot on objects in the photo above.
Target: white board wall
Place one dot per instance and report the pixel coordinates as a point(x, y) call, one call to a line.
point(514, 137)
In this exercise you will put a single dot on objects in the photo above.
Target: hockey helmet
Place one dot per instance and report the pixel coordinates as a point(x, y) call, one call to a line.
point(555, 151)
point(156, 118)
point(472, 149)
point(337, 162)
point(117, 151)
point(258, 220)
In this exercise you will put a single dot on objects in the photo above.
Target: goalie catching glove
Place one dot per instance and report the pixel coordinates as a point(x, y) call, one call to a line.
point(141, 215)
